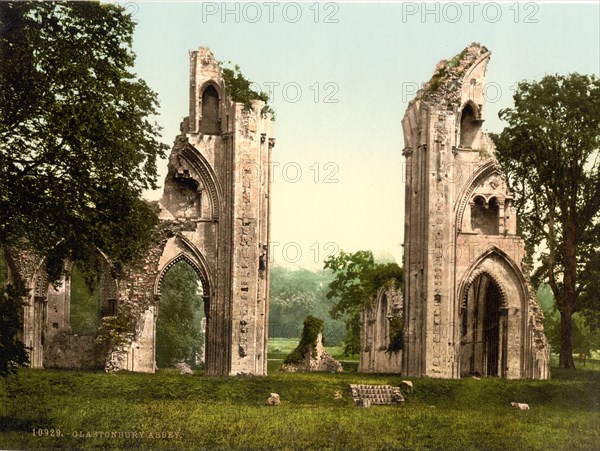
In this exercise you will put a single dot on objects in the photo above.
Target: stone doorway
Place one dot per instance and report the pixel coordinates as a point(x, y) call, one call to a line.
point(483, 330)
point(181, 313)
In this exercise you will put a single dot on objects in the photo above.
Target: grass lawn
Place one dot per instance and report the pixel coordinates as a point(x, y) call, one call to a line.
point(129, 410)
point(279, 348)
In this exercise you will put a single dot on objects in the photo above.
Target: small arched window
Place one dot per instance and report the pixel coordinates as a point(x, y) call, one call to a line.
point(469, 126)
point(210, 122)
point(485, 216)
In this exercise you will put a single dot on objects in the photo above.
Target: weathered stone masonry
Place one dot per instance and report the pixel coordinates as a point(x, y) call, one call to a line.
point(376, 333)
point(47, 329)
point(469, 307)
point(214, 215)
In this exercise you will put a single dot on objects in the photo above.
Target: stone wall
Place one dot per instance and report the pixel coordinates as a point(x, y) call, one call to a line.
point(460, 229)
point(214, 215)
point(79, 352)
point(47, 330)
point(378, 355)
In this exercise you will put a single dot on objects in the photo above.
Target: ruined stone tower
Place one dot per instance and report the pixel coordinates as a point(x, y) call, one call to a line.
point(214, 215)
point(469, 308)
point(216, 208)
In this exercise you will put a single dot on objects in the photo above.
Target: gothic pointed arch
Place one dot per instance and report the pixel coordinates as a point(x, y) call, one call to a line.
point(207, 175)
point(492, 301)
point(216, 219)
point(195, 259)
point(475, 293)
point(60, 321)
point(474, 108)
point(381, 331)
point(470, 124)
point(211, 108)
point(488, 172)
point(108, 284)
point(503, 271)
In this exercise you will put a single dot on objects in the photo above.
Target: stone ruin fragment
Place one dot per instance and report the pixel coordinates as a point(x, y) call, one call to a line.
point(310, 355)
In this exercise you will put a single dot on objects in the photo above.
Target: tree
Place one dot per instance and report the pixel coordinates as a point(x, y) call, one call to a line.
point(178, 333)
point(590, 296)
point(357, 278)
point(239, 88)
point(77, 147)
point(296, 294)
point(13, 352)
point(550, 152)
point(585, 338)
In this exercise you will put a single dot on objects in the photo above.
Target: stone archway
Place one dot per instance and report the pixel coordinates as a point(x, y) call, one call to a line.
point(182, 315)
point(380, 350)
point(141, 353)
point(53, 331)
point(483, 329)
point(493, 314)
point(197, 265)
point(214, 213)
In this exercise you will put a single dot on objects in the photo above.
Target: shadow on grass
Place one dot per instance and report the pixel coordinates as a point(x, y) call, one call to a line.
point(12, 424)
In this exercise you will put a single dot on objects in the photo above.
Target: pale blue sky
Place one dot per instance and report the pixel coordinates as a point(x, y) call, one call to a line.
point(372, 58)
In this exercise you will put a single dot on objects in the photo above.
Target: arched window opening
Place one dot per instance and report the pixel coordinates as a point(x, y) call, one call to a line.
point(210, 122)
point(484, 330)
point(180, 321)
point(85, 304)
point(188, 197)
point(108, 294)
point(383, 321)
point(485, 216)
point(469, 126)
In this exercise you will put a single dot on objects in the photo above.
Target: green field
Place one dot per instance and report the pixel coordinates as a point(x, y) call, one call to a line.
point(128, 410)
point(279, 348)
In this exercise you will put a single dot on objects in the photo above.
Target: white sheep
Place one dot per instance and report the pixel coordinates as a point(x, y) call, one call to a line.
point(520, 405)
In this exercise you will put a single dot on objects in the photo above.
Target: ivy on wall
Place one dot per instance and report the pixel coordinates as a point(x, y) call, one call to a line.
point(240, 89)
point(312, 328)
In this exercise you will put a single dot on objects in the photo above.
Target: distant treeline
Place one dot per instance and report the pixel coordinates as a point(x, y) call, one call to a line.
point(295, 294)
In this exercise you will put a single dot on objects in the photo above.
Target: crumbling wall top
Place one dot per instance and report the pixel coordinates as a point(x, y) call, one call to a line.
point(445, 86)
point(207, 59)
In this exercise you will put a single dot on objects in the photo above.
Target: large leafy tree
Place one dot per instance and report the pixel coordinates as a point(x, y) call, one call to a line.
point(77, 147)
point(590, 297)
point(357, 278)
point(550, 151)
point(12, 351)
point(586, 334)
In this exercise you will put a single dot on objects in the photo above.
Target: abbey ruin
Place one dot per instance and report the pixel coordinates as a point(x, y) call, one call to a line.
point(214, 215)
point(467, 307)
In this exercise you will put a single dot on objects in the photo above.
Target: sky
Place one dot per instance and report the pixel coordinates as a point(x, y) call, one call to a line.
point(340, 76)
